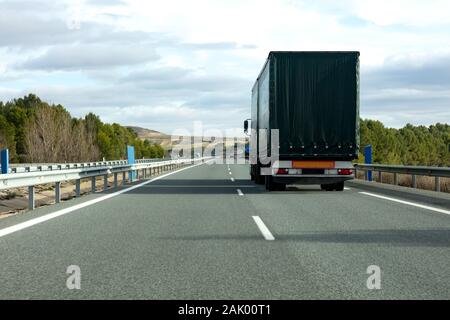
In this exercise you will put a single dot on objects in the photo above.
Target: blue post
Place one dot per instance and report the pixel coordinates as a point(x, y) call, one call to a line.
point(130, 155)
point(368, 160)
point(4, 160)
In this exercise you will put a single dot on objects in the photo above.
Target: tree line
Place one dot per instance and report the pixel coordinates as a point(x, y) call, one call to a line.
point(410, 145)
point(37, 132)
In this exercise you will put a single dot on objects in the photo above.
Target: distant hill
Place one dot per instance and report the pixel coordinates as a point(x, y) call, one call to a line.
point(153, 136)
point(163, 139)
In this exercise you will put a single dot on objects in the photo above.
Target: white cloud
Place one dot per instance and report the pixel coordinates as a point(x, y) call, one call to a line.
point(404, 12)
point(90, 56)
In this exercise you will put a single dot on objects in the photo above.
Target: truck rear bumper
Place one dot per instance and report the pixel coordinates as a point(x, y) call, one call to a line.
point(311, 179)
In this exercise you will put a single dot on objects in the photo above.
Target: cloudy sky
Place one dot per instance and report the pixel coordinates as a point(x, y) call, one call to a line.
point(164, 64)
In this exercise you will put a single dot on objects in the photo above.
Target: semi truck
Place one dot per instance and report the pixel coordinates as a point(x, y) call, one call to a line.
point(311, 101)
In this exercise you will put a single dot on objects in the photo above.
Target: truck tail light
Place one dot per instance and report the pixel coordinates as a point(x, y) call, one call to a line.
point(282, 171)
point(345, 172)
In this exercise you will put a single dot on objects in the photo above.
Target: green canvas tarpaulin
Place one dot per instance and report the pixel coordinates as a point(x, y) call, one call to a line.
point(313, 99)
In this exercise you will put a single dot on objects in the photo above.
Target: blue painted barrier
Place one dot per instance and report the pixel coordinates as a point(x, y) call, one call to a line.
point(4, 161)
point(131, 160)
point(368, 160)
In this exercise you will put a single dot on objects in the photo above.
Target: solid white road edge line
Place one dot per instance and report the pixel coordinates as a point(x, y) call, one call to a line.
point(264, 230)
point(239, 191)
point(406, 202)
point(32, 222)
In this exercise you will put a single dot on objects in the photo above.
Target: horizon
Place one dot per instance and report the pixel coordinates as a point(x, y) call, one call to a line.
point(236, 130)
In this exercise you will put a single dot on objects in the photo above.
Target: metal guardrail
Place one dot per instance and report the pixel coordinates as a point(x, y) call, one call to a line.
point(414, 171)
point(26, 167)
point(30, 176)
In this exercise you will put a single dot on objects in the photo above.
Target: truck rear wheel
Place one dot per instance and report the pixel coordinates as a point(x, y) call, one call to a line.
point(339, 186)
point(270, 185)
point(273, 186)
point(259, 179)
point(281, 186)
point(334, 186)
point(326, 187)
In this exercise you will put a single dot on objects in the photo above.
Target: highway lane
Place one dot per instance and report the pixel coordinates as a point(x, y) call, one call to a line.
point(192, 235)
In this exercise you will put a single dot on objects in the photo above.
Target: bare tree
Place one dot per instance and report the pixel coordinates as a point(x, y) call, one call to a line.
point(48, 135)
point(53, 136)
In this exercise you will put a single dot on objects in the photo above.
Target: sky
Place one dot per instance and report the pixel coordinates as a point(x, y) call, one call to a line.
point(164, 64)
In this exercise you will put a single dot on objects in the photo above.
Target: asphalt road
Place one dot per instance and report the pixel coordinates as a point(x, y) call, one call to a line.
point(193, 235)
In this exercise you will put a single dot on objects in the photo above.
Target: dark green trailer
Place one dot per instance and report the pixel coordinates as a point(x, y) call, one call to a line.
point(312, 98)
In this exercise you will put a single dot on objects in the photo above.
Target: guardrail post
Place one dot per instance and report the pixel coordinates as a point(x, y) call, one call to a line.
point(4, 161)
point(31, 198)
point(58, 192)
point(414, 181)
point(380, 176)
point(124, 178)
point(105, 182)
point(115, 180)
point(395, 178)
point(93, 184)
point(437, 184)
point(78, 188)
